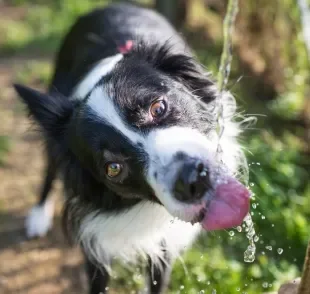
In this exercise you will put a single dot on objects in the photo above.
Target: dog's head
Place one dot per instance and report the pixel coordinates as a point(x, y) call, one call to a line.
point(143, 126)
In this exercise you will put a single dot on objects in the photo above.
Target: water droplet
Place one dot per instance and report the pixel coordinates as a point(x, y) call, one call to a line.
point(263, 217)
point(155, 282)
point(249, 254)
point(231, 233)
point(213, 291)
point(272, 225)
point(182, 287)
point(203, 291)
point(251, 184)
point(256, 238)
point(269, 247)
point(208, 283)
point(270, 285)
point(254, 205)
point(239, 229)
point(258, 163)
point(263, 252)
point(201, 257)
point(280, 250)
point(265, 285)
point(238, 289)
point(106, 288)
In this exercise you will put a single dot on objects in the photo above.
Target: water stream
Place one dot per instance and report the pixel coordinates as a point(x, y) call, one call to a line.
point(223, 76)
point(305, 22)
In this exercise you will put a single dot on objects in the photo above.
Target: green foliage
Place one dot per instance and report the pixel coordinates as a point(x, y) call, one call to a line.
point(4, 148)
point(34, 72)
point(44, 25)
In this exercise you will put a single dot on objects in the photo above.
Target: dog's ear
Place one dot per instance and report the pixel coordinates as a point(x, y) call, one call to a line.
point(51, 112)
point(191, 74)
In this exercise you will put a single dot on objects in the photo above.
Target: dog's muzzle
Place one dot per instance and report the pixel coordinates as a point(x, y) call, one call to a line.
point(192, 181)
point(189, 181)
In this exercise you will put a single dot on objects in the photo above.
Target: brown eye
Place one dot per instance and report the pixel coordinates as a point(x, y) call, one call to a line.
point(113, 169)
point(158, 108)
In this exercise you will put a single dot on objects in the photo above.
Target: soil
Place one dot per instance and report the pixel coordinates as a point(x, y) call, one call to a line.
point(48, 264)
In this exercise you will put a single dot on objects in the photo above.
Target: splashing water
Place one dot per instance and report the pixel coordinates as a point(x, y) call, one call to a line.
point(223, 75)
point(224, 71)
point(249, 254)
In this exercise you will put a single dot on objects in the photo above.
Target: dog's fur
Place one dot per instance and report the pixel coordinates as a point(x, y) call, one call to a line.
point(97, 111)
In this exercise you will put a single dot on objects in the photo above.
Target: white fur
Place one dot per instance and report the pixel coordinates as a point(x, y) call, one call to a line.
point(135, 232)
point(104, 67)
point(104, 107)
point(39, 220)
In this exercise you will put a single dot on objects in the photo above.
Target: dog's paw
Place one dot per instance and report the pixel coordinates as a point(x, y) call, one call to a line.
point(39, 220)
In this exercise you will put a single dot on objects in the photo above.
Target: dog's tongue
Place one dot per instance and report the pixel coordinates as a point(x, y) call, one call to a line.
point(228, 207)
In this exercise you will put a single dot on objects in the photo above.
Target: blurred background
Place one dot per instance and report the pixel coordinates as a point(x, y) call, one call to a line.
point(270, 78)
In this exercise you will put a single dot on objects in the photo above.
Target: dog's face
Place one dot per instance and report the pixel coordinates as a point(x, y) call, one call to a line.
point(141, 131)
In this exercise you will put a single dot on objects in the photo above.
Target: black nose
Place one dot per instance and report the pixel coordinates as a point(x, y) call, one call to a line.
point(192, 181)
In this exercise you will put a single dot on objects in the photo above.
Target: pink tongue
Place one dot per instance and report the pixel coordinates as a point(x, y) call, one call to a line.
point(228, 208)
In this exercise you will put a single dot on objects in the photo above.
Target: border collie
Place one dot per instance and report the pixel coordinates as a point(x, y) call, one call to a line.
point(129, 120)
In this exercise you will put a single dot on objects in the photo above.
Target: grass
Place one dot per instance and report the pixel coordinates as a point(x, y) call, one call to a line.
point(34, 72)
point(278, 165)
point(4, 148)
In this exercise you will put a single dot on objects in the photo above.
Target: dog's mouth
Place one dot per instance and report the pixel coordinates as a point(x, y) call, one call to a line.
point(227, 207)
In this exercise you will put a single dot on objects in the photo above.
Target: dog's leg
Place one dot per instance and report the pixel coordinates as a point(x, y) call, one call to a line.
point(40, 218)
point(159, 274)
point(98, 279)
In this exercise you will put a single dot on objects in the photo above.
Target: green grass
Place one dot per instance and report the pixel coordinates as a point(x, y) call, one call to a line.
point(43, 27)
point(278, 164)
point(34, 72)
point(4, 148)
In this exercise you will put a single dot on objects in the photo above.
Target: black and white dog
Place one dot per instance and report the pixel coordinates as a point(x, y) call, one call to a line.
point(130, 121)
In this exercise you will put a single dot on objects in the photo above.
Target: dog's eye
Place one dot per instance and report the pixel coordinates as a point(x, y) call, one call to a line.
point(113, 169)
point(158, 108)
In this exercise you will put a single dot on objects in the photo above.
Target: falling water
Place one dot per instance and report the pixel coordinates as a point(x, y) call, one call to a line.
point(305, 22)
point(225, 66)
point(223, 76)
point(249, 253)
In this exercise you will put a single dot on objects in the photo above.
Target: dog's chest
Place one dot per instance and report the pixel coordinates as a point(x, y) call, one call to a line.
point(140, 230)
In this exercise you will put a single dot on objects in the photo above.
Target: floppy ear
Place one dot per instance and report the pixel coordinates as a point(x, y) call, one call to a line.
point(191, 74)
point(181, 67)
point(51, 112)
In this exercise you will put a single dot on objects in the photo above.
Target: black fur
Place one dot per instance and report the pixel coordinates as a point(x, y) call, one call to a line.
point(79, 144)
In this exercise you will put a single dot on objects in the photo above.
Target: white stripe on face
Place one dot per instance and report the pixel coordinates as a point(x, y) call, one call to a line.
point(103, 106)
point(103, 67)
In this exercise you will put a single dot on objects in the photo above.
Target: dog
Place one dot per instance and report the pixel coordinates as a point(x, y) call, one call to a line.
point(130, 122)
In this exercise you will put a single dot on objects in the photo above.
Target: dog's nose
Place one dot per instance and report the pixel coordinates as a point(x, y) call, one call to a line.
point(192, 181)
